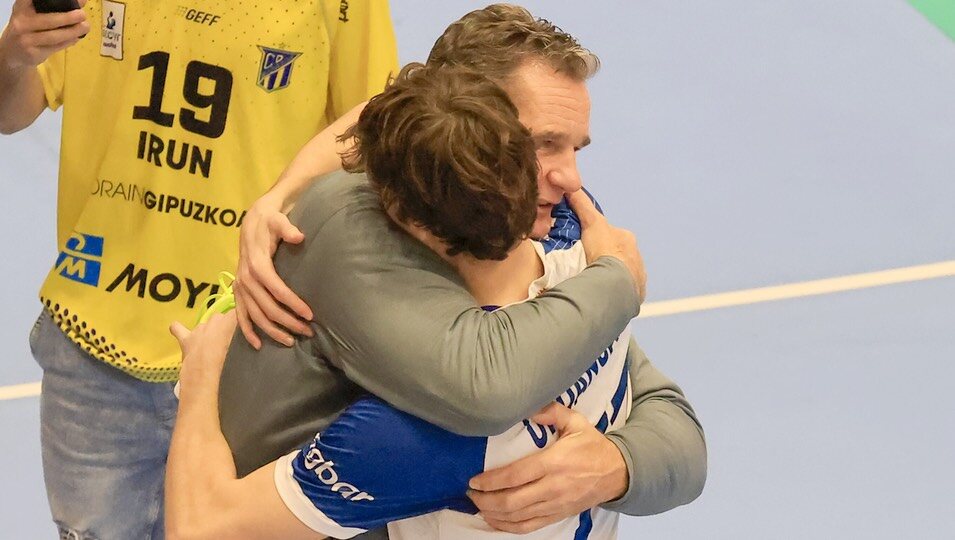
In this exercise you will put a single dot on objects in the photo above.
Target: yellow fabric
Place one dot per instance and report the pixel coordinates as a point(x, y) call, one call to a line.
point(151, 198)
point(51, 73)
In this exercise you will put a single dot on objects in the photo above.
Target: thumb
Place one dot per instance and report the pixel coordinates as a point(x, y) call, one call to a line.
point(562, 418)
point(581, 204)
point(179, 332)
point(548, 416)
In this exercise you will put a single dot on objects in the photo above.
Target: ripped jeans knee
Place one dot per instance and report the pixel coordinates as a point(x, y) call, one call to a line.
point(67, 533)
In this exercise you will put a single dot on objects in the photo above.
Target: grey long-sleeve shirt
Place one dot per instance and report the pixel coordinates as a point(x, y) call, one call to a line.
point(393, 319)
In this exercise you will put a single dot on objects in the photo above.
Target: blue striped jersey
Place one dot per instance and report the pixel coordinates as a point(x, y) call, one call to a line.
point(376, 465)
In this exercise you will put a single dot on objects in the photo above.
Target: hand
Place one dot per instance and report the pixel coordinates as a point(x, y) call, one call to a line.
point(31, 37)
point(600, 238)
point(583, 469)
point(203, 351)
point(261, 296)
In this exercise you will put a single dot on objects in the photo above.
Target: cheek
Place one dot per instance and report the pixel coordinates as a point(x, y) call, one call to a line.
point(544, 167)
point(547, 189)
point(542, 225)
point(542, 181)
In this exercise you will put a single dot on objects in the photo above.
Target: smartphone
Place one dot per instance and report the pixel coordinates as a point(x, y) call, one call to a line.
point(55, 6)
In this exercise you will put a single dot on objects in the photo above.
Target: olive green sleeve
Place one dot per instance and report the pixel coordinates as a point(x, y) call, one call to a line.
point(662, 443)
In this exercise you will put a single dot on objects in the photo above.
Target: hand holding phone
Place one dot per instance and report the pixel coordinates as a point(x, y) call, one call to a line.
point(55, 6)
point(34, 32)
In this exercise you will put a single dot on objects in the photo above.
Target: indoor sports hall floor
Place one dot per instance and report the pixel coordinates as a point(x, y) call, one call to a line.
point(748, 144)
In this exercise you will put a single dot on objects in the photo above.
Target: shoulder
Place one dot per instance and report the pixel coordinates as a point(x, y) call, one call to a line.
point(561, 264)
point(343, 209)
point(331, 194)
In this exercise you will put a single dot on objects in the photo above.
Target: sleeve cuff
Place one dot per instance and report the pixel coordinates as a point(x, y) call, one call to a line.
point(51, 73)
point(618, 504)
point(301, 507)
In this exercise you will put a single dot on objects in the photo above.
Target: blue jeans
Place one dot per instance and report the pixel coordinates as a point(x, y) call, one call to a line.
point(105, 436)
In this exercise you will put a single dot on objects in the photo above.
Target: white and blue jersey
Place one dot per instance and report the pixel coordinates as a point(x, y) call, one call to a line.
point(376, 465)
point(565, 230)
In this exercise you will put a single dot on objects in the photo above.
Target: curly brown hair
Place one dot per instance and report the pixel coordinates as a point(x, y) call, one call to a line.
point(444, 149)
point(499, 38)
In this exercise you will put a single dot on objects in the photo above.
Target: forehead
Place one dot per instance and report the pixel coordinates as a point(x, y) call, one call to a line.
point(548, 101)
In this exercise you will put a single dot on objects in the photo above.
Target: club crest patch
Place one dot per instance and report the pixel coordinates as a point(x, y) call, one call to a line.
point(275, 70)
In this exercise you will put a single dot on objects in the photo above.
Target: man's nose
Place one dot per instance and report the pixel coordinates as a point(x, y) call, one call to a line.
point(564, 175)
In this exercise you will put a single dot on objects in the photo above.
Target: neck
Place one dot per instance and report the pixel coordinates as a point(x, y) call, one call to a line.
point(498, 283)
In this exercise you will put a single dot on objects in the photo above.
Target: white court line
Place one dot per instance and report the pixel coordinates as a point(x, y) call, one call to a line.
point(714, 301)
point(798, 290)
point(19, 391)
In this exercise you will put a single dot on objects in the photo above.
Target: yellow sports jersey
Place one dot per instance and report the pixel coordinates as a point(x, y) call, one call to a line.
point(176, 117)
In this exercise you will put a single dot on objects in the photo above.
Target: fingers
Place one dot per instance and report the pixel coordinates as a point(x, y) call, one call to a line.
point(31, 37)
point(281, 292)
point(508, 501)
point(262, 282)
point(524, 527)
point(523, 509)
point(519, 473)
point(41, 22)
point(245, 322)
point(35, 56)
point(581, 204)
point(58, 37)
point(536, 510)
point(257, 297)
point(283, 228)
point(262, 286)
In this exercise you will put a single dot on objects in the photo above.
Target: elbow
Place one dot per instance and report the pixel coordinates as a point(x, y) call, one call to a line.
point(667, 471)
point(696, 478)
point(195, 520)
point(685, 477)
point(176, 530)
point(688, 481)
point(682, 486)
point(695, 482)
point(694, 468)
point(16, 117)
point(7, 128)
point(183, 525)
point(179, 529)
point(12, 123)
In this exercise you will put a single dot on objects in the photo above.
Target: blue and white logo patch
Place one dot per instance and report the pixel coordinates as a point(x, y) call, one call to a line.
point(81, 259)
point(275, 71)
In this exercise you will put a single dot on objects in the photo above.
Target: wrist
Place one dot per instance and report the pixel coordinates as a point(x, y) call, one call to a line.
point(199, 383)
point(276, 199)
